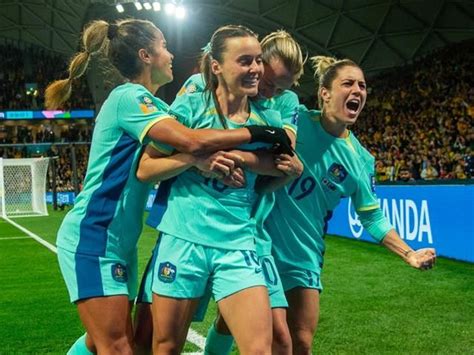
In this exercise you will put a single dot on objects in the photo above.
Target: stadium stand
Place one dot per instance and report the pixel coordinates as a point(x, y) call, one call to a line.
point(417, 123)
point(418, 118)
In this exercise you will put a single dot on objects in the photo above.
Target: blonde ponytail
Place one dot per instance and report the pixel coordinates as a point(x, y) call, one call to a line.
point(321, 64)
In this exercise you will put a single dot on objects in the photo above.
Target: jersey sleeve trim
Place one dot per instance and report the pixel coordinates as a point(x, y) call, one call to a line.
point(368, 208)
point(152, 123)
point(290, 128)
point(160, 149)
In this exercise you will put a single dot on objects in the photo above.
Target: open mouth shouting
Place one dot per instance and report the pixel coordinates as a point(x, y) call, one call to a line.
point(353, 107)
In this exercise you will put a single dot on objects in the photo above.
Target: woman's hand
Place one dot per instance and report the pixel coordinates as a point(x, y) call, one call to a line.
point(219, 164)
point(235, 179)
point(422, 259)
point(289, 165)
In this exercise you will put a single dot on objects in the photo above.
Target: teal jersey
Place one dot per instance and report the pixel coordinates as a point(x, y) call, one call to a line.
point(262, 210)
point(107, 214)
point(202, 210)
point(334, 168)
point(286, 104)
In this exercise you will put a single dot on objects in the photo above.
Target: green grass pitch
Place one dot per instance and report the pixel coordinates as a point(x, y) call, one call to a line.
point(372, 302)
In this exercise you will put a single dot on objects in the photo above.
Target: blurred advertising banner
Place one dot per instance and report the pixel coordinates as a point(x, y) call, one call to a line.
point(440, 217)
point(46, 114)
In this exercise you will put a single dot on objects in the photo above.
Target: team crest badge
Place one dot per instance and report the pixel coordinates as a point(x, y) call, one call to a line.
point(187, 89)
point(119, 272)
point(167, 272)
point(191, 88)
point(146, 105)
point(337, 172)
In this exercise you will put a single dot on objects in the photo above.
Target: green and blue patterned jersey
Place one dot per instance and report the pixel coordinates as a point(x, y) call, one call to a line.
point(107, 214)
point(203, 210)
point(334, 168)
point(286, 103)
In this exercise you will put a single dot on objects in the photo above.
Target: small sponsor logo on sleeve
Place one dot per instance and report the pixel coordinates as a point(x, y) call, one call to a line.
point(294, 118)
point(146, 105)
point(372, 182)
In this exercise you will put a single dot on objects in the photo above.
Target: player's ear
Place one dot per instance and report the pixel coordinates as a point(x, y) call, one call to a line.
point(144, 55)
point(215, 67)
point(325, 94)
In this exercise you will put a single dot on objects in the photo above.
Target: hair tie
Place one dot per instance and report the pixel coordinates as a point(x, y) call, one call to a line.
point(207, 49)
point(112, 31)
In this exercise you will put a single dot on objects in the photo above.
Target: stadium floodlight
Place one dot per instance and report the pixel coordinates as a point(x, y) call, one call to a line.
point(180, 12)
point(119, 8)
point(138, 5)
point(147, 5)
point(170, 8)
point(156, 6)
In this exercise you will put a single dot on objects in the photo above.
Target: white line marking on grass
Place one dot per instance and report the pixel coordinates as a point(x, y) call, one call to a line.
point(10, 238)
point(196, 339)
point(193, 336)
point(32, 235)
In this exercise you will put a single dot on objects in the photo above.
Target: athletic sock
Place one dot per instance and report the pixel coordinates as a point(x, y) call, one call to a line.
point(80, 347)
point(217, 343)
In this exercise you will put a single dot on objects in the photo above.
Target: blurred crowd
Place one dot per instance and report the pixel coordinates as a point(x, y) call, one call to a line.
point(25, 73)
point(418, 121)
point(47, 133)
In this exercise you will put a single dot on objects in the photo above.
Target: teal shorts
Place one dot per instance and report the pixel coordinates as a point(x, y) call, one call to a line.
point(273, 282)
point(144, 292)
point(89, 276)
point(292, 278)
point(182, 269)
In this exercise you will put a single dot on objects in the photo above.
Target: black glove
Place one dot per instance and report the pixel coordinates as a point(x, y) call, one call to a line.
point(273, 135)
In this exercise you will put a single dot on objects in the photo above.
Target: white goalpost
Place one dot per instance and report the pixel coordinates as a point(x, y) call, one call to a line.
point(23, 187)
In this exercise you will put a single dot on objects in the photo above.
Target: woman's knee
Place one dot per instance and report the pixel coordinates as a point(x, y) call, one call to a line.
point(167, 346)
point(281, 340)
point(302, 341)
point(258, 346)
point(115, 345)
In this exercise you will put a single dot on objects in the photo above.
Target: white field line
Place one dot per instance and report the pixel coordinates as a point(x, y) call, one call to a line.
point(10, 238)
point(196, 339)
point(193, 337)
point(32, 235)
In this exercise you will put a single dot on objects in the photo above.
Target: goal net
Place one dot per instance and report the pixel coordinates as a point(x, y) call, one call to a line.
point(23, 187)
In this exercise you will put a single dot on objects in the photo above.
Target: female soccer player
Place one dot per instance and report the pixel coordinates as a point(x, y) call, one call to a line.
point(335, 166)
point(283, 62)
point(97, 239)
point(218, 235)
